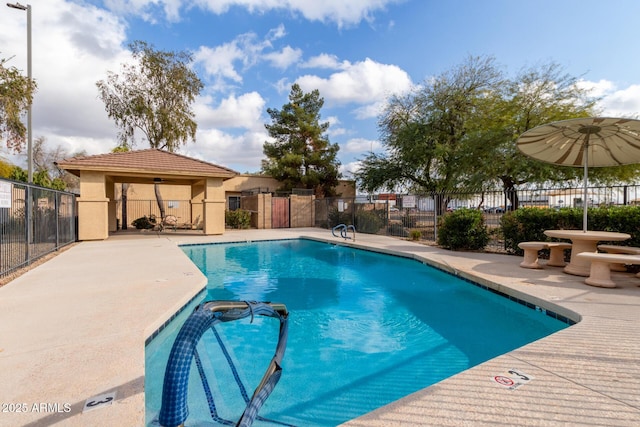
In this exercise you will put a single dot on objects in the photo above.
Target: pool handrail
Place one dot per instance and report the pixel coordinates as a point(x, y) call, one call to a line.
point(174, 409)
point(226, 305)
point(352, 228)
point(344, 229)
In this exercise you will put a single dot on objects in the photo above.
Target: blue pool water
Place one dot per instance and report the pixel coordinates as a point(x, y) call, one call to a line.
point(365, 329)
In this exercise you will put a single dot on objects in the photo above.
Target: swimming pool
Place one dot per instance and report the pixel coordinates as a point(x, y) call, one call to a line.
point(365, 329)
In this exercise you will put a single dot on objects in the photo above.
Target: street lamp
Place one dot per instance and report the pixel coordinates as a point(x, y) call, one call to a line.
point(29, 133)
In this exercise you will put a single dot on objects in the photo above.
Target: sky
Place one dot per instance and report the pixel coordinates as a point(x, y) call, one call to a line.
point(357, 53)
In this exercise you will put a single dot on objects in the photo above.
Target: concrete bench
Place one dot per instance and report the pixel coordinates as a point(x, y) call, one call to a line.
point(619, 249)
point(531, 249)
point(600, 273)
point(556, 253)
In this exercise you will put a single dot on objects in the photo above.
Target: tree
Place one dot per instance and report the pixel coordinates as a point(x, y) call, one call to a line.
point(426, 131)
point(301, 155)
point(537, 95)
point(153, 96)
point(5, 168)
point(16, 95)
point(458, 132)
point(46, 172)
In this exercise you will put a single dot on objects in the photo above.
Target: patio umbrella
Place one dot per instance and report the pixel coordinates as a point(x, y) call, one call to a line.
point(588, 142)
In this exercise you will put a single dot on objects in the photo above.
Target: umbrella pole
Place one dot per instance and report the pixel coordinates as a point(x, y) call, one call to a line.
point(586, 182)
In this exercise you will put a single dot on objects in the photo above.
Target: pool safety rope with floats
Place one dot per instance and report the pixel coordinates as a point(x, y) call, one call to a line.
point(174, 410)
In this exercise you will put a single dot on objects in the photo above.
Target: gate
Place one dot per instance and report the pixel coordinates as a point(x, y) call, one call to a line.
point(279, 212)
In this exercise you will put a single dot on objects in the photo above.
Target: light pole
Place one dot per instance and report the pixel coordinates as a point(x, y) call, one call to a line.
point(29, 75)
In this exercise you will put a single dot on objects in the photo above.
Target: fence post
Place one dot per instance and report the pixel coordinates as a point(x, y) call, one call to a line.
point(57, 216)
point(28, 222)
point(435, 217)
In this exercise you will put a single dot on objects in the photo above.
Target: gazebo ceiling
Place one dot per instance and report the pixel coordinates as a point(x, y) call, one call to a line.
point(147, 166)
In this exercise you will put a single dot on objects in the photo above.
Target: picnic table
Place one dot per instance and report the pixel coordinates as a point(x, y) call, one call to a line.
point(584, 241)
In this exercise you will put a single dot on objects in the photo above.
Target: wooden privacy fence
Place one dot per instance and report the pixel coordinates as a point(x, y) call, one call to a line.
point(279, 212)
point(268, 211)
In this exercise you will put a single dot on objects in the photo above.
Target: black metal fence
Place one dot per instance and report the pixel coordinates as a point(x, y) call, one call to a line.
point(401, 214)
point(34, 221)
point(136, 209)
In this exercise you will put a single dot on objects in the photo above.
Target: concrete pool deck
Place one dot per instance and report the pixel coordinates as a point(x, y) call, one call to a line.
point(74, 328)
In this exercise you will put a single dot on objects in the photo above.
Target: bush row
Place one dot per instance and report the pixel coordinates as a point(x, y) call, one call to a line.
point(465, 228)
point(364, 221)
point(528, 224)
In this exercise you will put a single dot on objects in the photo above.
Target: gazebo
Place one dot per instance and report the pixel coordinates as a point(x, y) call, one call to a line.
point(98, 175)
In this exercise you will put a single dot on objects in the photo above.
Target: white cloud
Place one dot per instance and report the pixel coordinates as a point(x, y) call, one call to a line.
point(347, 170)
point(218, 62)
point(340, 12)
point(614, 102)
point(324, 60)
point(147, 9)
point(362, 146)
point(365, 82)
point(244, 112)
point(283, 59)
point(334, 128)
point(371, 110)
point(336, 131)
point(241, 152)
point(598, 88)
point(283, 85)
point(229, 60)
point(623, 102)
point(73, 47)
point(333, 120)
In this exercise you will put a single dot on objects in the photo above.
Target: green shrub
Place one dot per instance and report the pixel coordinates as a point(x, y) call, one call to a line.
point(415, 234)
point(463, 229)
point(396, 229)
point(368, 222)
point(336, 217)
point(144, 223)
point(240, 218)
point(409, 220)
point(528, 224)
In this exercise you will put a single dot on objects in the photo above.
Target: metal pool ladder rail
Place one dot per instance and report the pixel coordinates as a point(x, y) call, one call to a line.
point(344, 229)
point(174, 410)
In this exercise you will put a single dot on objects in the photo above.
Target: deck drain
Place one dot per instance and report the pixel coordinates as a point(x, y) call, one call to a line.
point(99, 401)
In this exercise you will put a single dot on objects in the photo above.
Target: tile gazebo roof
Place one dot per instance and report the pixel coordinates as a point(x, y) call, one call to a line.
point(146, 163)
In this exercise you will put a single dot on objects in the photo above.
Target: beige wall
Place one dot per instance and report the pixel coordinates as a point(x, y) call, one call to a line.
point(301, 211)
point(260, 207)
point(240, 183)
point(214, 206)
point(93, 207)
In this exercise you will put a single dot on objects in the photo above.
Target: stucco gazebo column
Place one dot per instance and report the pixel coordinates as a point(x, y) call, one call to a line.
point(93, 207)
point(214, 206)
point(110, 190)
